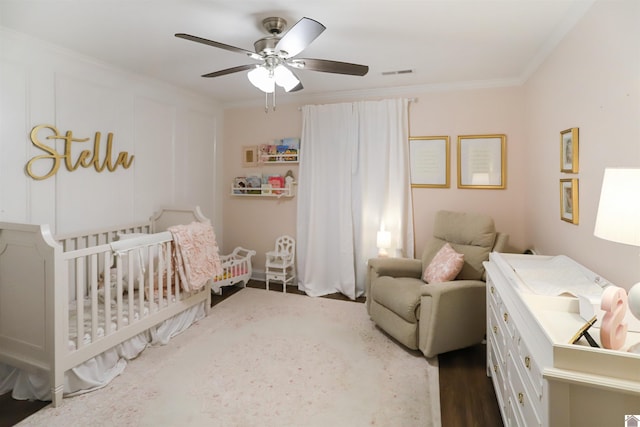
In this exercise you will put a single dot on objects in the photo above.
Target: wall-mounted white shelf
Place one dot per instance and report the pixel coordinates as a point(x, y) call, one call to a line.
point(278, 159)
point(277, 193)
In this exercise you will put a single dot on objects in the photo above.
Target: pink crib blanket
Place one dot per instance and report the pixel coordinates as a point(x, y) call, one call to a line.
point(196, 254)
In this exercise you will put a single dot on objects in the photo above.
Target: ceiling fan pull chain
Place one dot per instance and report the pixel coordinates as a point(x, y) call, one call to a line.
point(266, 102)
point(273, 101)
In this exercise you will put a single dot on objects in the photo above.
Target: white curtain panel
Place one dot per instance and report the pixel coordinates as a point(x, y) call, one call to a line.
point(354, 175)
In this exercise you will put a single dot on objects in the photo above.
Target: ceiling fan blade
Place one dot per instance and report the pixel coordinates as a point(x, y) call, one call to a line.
point(229, 71)
point(219, 45)
point(299, 36)
point(327, 66)
point(297, 88)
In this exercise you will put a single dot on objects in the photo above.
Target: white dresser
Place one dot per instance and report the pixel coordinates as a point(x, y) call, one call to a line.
point(540, 378)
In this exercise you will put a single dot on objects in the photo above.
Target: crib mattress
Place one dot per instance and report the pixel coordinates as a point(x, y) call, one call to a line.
point(147, 308)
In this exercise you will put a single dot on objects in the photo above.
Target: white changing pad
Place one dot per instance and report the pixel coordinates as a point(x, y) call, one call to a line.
point(556, 276)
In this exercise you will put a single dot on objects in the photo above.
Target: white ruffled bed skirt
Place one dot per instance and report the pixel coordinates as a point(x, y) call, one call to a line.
point(102, 369)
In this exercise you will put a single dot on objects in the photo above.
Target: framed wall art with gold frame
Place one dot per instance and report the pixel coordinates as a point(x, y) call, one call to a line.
point(429, 156)
point(569, 150)
point(482, 161)
point(569, 206)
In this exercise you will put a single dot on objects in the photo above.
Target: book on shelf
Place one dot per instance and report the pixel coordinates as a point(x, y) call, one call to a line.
point(281, 150)
point(239, 185)
point(254, 185)
point(277, 183)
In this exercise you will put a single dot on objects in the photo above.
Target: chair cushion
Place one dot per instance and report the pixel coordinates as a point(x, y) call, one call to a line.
point(399, 294)
point(471, 234)
point(444, 266)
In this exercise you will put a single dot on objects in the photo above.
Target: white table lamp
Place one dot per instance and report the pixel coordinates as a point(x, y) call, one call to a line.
point(618, 217)
point(383, 241)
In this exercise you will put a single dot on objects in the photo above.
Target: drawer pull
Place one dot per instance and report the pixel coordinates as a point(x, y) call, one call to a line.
point(527, 362)
point(506, 317)
point(521, 398)
point(495, 368)
point(495, 329)
point(492, 290)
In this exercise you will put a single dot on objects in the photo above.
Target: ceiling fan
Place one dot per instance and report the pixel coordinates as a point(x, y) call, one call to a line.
point(276, 54)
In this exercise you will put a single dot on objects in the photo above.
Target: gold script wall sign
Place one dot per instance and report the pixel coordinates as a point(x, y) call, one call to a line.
point(86, 158)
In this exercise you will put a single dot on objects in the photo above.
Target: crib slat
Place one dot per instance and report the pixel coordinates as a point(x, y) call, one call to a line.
point(147, 282)
point(107, 294)
point(80, 302)
point(178, 287)
point(132, 307)
point(159, 277)
point(94, 297)
point(119, 287)
point(167, 268)
point(130, 282)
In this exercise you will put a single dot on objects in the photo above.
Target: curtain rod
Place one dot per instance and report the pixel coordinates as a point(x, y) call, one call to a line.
point(408, 99)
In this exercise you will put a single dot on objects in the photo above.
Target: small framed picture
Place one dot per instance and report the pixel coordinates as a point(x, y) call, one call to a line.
point(249, 156)
point(429, 161)
point(569, 200)
point(569, 150)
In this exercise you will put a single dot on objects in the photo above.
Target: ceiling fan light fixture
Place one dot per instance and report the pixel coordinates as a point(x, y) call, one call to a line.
point(285, 78)
point(261, 78)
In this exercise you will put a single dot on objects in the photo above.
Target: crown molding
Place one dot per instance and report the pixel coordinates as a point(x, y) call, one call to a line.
point(386, 92)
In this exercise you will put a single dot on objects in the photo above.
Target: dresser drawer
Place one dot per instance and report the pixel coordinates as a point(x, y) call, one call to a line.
point(498, 334)
point(507, 323)
point(493, 295)
point(497, 368)
point(525, 408)
point(528, 365)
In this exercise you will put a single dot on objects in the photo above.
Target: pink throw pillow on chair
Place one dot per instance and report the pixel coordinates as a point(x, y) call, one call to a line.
point(444, 266)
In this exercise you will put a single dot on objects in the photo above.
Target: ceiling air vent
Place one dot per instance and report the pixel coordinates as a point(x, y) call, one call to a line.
point(392, 73)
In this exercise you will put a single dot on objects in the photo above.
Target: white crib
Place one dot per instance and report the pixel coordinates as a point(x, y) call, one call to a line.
point(59, 305)
point(236, 268)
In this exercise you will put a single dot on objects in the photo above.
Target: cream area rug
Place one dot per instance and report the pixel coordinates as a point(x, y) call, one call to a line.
point(263, 358)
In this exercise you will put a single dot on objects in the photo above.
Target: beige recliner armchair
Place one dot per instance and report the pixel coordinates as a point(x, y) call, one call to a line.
point(436, 317)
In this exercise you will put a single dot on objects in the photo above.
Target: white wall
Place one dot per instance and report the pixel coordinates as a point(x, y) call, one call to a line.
point(591, 81)
point(172, 134)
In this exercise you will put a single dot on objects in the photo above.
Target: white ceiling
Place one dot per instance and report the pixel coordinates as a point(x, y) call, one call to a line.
point(447, 43)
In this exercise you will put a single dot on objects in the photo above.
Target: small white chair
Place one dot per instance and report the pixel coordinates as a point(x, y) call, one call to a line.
point(280, 263)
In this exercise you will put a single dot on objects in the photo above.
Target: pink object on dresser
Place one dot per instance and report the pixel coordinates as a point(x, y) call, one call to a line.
point(613, 331)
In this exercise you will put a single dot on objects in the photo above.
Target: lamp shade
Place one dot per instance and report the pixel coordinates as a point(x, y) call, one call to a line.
point(383, 242)
point(285, 78)
point(618, 217)
point(383, 239)
point(261, 78)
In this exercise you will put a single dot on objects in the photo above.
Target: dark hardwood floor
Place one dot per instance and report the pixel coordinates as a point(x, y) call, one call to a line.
point(466, 393)
point(467, 397)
